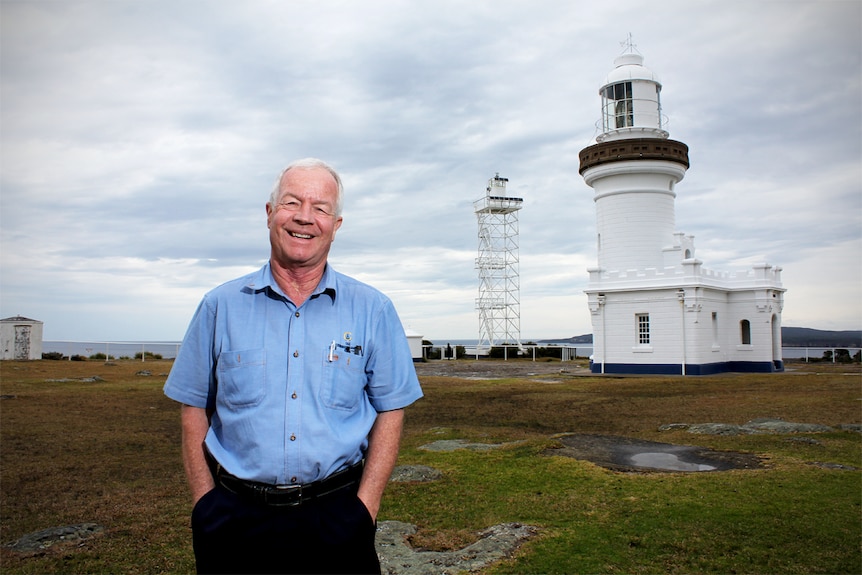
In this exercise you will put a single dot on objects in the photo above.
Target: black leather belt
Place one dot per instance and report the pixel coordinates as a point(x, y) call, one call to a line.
point(288, 495)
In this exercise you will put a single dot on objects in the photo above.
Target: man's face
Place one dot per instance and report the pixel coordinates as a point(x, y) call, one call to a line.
point(302, 223)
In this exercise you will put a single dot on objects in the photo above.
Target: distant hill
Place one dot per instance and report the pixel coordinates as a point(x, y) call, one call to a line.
point(803, 336)
point(790, 337)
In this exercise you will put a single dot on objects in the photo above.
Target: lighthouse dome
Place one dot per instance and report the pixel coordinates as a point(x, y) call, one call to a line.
point(631, 101)
point(628, 67)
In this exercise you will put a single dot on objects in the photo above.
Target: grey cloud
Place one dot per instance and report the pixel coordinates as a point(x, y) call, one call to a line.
point(153, 132)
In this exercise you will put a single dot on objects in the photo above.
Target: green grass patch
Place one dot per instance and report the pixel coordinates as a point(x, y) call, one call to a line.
point(109, 452)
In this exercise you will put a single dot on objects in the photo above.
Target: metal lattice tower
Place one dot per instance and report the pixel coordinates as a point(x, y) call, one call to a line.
point(499, 281)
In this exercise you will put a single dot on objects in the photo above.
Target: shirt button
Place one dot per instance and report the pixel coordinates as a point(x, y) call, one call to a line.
point(293, 437)
point(296, 314)
point(296, 353)
point(293, 395)
point(293, 480)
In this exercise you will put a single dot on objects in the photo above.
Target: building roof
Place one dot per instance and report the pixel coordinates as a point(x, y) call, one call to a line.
point(20, 318)
point(630, 67)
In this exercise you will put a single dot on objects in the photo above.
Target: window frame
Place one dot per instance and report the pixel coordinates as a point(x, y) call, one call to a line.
point(745, 332)
point(642, 327)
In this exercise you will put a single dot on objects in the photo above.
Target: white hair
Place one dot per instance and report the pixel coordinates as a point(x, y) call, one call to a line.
point(309, 164)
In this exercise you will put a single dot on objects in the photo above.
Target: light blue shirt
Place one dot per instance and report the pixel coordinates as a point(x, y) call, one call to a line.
point(295, 390)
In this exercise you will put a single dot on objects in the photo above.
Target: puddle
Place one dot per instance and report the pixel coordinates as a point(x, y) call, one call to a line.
point(629, 454)
point(667, 462)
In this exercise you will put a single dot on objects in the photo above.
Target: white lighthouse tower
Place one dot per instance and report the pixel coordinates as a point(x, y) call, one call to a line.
point(654, 308)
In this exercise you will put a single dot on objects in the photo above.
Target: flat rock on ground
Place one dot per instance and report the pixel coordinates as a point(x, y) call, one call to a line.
point(630, 454)
point(41, 540)
point(397, 557)
point(755, 426)
point(420, 473)
point(455, 444)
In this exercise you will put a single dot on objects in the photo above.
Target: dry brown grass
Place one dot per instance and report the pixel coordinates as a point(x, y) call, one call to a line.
point(109, 451)
point(548, 404)
point(104, 452)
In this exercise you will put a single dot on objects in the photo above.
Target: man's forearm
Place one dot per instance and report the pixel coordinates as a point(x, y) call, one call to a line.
point(195, 422)
point(383, 444)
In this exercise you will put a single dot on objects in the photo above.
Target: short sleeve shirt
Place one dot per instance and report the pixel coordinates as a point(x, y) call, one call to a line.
point(294, 390)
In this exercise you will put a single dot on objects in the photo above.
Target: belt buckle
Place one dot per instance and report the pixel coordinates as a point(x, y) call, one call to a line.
point(283, 495)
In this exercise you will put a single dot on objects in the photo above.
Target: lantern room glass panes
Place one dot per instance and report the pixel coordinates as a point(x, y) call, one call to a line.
point(618, 109)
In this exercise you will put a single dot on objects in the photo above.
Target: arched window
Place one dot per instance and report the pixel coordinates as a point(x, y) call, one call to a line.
point(715, 329)
point(745, 332)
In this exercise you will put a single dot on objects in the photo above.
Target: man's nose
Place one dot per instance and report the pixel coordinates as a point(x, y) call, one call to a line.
point(304, 213)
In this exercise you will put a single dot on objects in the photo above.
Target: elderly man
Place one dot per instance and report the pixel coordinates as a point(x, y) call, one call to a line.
point(292, 380)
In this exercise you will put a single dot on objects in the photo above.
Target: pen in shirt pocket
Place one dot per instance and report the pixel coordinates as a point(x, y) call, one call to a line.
point(333, 346)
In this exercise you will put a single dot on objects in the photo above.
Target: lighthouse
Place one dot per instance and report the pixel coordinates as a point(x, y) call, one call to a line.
point(654, 307)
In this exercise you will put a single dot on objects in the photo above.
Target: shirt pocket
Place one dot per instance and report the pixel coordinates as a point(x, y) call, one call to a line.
point(343, 380)
point(242, 377)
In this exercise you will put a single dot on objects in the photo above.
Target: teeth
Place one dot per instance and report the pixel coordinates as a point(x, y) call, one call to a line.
point(302, 236)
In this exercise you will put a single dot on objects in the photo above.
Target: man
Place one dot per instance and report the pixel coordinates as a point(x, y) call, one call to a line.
point(292, 380)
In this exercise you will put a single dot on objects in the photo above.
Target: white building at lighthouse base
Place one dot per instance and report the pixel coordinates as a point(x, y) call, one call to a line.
point(684, 319)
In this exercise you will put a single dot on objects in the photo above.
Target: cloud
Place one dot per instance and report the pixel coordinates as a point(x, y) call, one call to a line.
point(140, 142)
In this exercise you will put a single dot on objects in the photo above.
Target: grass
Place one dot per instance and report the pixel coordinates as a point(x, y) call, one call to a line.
point(108, 452)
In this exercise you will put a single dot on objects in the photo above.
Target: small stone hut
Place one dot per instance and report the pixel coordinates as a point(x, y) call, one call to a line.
point(20, 338)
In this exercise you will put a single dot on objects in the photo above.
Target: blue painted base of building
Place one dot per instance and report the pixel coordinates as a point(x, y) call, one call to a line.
point(690, 369)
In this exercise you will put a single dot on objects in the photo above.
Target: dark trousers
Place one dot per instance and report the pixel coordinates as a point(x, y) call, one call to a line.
point(330, 534)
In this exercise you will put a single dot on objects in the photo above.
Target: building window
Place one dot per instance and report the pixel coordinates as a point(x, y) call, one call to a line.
point(643, 328)
point(619, 110)
point(745, 332)
point(715, 328)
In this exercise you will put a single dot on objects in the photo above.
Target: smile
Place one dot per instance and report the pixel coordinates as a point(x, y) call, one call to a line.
point(301, 236)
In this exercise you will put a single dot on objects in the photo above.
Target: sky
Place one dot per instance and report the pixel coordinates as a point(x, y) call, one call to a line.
point(139, 142)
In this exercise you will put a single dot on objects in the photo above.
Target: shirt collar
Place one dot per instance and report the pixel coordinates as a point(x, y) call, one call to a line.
point(327, 284)
point(263, 279)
